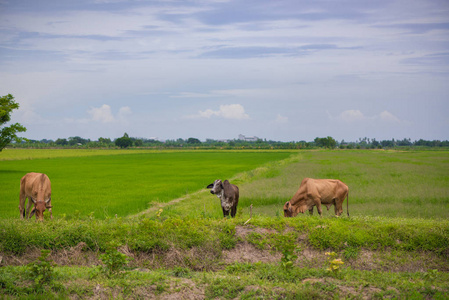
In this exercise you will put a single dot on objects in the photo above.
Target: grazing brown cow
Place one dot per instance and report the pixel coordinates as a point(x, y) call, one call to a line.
point(228, 194)
point(37, 188)
point(314, 192)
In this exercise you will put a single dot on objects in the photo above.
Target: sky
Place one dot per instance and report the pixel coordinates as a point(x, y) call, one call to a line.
point(284, 70)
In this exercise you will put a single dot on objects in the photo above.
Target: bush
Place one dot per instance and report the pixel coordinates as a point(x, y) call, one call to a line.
point(113, 260)
point(42, 270)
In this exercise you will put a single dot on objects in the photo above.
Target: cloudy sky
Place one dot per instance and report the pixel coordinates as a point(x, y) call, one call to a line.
point(277, 69)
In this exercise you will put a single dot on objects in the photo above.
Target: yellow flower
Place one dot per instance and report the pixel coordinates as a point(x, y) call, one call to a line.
point(337, 262)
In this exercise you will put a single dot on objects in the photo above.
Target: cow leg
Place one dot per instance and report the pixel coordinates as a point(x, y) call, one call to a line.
point(29, 204)
point(318, 207)
point(23, 199)
point(234, 211)
point(225, 212)
point(338, 207)
point(49, 209)
point(311, 211)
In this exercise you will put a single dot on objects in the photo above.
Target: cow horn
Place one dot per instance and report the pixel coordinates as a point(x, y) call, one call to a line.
point(49, 199)
point(32, 200)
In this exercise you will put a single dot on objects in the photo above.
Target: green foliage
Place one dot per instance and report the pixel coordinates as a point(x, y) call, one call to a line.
point(327, 142)
point(42, 270)
point(124, 142)
point(12, 239)
point(113, 260)
point(8, 133)
point(227, 236)
point(181, 272)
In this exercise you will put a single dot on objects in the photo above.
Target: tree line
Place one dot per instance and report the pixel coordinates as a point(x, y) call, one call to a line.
point(132, 142)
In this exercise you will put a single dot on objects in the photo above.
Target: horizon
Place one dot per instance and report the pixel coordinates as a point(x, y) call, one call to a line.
point(368, 139)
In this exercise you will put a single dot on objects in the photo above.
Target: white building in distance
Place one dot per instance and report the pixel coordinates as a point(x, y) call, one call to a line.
point(248, 138)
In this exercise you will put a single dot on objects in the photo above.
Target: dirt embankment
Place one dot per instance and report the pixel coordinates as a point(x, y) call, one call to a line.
point(210, 258)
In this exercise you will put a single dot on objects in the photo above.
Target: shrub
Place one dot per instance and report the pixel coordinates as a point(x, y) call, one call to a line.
point(113, 260)
point(42, 270)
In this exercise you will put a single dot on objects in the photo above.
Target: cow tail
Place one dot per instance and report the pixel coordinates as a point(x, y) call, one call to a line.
point(347, 203)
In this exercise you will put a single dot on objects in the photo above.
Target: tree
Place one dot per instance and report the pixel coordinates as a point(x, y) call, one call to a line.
point(61, 142)
point(8, 133)
point(124, 142)
point(138, 143)
point(328, 142)
point(193, 141)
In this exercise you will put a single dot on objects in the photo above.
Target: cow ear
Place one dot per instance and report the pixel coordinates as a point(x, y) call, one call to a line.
point(48, 206)
point(210, 186)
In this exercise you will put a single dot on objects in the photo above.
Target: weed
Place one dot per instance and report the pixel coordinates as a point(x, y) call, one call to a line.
point(351, 252)
point(113, 260)
point(287, 245)
point(41, 271)
point(333, 263)
point(181, 272)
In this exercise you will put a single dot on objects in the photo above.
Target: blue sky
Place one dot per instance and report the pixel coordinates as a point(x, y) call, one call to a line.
point(280, 70)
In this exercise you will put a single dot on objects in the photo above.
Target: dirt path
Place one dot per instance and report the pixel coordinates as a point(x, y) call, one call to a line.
point(158, 205)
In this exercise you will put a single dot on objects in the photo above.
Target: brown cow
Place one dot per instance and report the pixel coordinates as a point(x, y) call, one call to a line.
point(37, 188)
point(314, 192)
point(228, 194)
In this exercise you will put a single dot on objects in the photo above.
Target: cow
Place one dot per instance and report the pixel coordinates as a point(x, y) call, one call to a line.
point(228, 194)
point(314, 192)
point(37, 188)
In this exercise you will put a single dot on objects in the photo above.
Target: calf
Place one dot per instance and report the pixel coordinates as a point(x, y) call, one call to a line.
point(37, 188)
point(228, 194)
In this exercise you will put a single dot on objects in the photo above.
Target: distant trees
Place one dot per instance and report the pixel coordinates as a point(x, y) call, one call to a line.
point(193, 141)
point(124, 142)
point(327, 142)
point(77, 141)
point(8, 133)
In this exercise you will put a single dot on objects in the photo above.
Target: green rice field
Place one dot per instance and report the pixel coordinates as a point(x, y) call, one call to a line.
point(113, 182)
point(105, 183)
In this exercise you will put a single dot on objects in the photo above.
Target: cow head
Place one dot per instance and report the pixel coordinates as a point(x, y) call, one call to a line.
point(292, 211)
point(216, 187)
point(287, 209)
point(39, 207)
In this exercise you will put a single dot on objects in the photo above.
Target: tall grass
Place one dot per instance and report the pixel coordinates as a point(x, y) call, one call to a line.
point(381, 183)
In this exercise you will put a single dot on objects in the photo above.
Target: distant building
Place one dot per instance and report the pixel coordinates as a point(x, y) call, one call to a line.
point(248, 138)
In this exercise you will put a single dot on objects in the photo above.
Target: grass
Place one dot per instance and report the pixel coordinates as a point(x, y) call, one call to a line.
point(126, 182)
point(394, 245)
point(381, 184)
point(185, 258)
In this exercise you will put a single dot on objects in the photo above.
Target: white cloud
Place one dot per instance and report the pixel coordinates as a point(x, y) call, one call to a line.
point(101, 114)
point(355, 115)
point(352, 115)
point(388, 117)
point(104, 114)
point(226, 111)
